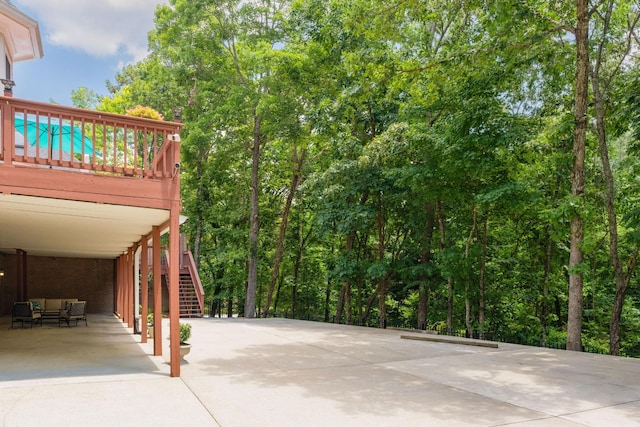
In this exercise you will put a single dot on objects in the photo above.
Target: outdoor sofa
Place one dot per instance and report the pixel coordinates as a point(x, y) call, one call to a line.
point(60, 309)
point(51, 307)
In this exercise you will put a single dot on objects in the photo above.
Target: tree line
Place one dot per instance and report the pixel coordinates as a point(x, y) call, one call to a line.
point(465, 166)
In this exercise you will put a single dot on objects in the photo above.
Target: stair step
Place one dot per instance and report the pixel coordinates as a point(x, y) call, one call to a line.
point(188, 303)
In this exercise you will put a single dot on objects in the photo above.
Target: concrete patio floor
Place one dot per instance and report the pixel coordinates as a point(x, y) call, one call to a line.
point(278, 372)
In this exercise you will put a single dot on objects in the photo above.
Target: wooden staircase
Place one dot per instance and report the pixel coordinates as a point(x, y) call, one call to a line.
point(190, 292)
point(189, 301)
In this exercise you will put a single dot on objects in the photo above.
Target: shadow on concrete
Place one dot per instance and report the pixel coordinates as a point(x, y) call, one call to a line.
point(304, 368)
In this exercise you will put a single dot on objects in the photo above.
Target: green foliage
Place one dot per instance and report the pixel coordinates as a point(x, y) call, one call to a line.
point(83, 97)
point(425, 125)
point(185, 332)
point(146, 112)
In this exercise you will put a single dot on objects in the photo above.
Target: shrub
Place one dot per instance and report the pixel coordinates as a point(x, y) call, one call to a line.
point(185, 332)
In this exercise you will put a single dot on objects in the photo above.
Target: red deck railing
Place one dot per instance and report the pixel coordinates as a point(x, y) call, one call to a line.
point(47, 135)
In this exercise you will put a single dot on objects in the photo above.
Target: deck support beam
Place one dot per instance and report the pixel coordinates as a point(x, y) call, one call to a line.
point(21, 275)
point(174, 277)
point(128, 277)
point(119, 287)
point(157, 293)
point(144, 288)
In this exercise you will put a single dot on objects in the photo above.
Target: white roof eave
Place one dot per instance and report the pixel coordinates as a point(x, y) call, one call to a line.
point(21, 33)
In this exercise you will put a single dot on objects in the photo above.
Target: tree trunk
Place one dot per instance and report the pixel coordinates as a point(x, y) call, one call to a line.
point(250, 299)
point(449, 279)
point(545, 289)
point(382, 304)
point(618, 303)
point(481, 282)
point(344, 304)
point(612, 221)
point(230, 307)
point(340, 304)
point(365, 314)
point(296, 273)
point(621, 279)
point(345, 293)
point(423, 303)
point(549, 257)
point(574, 320)
point(197, 241)
point(216, 302)
point(425, 259)
point(344, 298)
point(276, 300)
point(359, 300)
point(294, 300)
point(467, 290)
point(327, 300)
point(302, 241)
point(449, 305)
point(382, 284)
point(327, 292)
point(347, 304)
point(293, 187)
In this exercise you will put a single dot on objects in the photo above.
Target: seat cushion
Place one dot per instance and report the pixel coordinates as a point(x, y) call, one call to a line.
point(54, 304)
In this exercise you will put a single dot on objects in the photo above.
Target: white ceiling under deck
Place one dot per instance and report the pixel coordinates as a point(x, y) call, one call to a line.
point(65, 228)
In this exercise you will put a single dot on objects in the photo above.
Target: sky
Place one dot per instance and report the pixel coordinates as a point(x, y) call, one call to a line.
point(85, 43)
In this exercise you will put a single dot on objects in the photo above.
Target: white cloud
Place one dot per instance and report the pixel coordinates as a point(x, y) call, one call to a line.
point(98, 27)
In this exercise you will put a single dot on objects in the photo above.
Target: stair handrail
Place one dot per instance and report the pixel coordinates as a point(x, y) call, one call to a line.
point(193, 271)
point(164, 260)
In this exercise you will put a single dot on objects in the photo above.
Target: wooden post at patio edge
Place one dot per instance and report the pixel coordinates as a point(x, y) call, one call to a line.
point(144, 288)
point(157, 294)
point(174, 277)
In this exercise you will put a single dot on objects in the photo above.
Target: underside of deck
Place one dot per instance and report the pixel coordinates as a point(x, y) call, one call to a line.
point(86, 184)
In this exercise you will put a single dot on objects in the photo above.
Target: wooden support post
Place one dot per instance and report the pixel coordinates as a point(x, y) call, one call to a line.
point(125, 289)
point(130, 289)
point(115, 286)
point(174, 277)
point(116, 296)
point(21, 275)
point(119, 271)
point(157, 294)
point(144, 288)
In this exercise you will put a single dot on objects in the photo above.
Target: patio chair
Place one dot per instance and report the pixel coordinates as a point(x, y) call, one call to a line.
point(23, 312)
point(76, 311)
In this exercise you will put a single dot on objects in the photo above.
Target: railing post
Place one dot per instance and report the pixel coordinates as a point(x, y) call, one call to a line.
point(8, 148)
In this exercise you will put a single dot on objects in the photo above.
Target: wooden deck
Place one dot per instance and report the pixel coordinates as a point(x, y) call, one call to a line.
point(124, 160)
point(111, 182)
